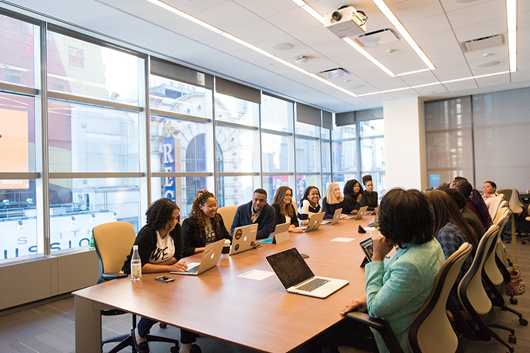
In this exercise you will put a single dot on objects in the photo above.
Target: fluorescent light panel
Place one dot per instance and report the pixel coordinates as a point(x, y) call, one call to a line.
point(404, 33)
point(250, 46)
point(511, 19)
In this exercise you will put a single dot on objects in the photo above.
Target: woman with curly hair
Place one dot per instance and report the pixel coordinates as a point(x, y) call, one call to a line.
point(285, 212)
point(204, 225)
point(160, 248)
point(474, 201)
point(309, 204)
point(353, 193)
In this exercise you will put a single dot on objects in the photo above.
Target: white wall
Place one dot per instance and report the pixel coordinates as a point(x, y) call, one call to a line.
point(406, 164)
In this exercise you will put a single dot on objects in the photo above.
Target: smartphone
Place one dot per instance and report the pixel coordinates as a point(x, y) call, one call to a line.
point(164, 279)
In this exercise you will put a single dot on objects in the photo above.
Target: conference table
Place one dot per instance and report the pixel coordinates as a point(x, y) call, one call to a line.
point(219, 303)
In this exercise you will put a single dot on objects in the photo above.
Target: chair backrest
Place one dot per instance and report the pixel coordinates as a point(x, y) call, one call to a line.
point(113, 242)
point(494, 205)
point(501, 212)
point(512, 196)
point(431, 330)
point(471, 291)
point(228, 213)
point(491, 268)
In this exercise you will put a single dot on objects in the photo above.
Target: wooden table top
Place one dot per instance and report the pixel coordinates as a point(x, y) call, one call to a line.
point(251, 313)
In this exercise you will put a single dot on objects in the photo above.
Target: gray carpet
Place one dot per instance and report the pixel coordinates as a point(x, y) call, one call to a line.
point(49, 326)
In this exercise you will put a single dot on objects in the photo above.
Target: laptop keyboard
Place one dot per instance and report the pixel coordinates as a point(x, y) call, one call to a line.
point(194, 269)
point(313, 284)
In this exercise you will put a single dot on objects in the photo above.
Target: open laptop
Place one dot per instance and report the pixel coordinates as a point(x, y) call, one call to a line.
point(210, 258)
point(336, 217)
point(297, 277)
point(361, 212)
point(375, 223)
point(280, 235)
point(244, 238)
point(314, 222)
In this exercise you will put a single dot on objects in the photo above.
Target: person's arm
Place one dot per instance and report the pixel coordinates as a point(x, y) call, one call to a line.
point(348, 204)
point(191, 236)
point(294, 219)
point(268, 224)
point(328, 209)
point(364, 201)
point(278, 214)
point(355, 305)
point(303, 212)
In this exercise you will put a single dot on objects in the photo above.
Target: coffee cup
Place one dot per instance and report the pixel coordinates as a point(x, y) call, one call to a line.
point(226, 249)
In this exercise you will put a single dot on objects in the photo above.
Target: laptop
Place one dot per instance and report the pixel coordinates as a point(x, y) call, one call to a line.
point(361, 212)
point(280, 235)
point(297, 277)
point(314, 222)
point(336, 217)
point(210, 258)
point(375, 223)
point(244, 238)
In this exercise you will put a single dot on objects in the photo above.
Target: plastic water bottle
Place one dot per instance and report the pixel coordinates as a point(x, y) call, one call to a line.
point(136, 265)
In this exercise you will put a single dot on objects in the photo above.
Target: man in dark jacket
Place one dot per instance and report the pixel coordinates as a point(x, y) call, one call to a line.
point(256, 211)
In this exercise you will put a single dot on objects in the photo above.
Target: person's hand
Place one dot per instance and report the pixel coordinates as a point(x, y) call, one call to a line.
point(178, 267)
point(343, 216)
point(354, 212)
point(296, 230)
point(382, 247)
point(355, 305)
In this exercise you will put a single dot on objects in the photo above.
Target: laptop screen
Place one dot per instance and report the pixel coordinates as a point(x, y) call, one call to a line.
point(290, 267)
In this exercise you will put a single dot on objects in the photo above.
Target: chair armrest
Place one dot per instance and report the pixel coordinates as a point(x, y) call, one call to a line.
point(112, 275)
point(366, 319)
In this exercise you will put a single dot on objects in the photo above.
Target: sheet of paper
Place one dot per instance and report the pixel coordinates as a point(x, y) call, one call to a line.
point(257, 275)
point(343, 240)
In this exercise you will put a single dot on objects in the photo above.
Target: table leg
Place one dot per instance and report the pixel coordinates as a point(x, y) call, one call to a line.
point(87, 326)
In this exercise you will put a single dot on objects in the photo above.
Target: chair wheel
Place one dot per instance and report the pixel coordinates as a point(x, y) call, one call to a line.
point(174, 349)
point(162, 325)
point(513, 300)
point(523, 322)
point(512, 339)
point(523, 242)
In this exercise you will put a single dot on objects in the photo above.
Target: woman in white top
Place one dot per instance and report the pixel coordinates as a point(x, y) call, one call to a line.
point(489, 191)
point(309, 204)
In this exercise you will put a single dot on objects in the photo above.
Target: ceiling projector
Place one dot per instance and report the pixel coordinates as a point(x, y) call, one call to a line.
point(346, 22)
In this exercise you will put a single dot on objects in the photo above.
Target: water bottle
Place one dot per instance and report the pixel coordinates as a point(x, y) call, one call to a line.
point(136, 265)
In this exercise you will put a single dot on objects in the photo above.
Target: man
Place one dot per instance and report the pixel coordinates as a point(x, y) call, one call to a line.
point(256, 211)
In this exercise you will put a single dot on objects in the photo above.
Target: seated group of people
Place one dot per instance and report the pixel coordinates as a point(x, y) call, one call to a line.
point(443, 220)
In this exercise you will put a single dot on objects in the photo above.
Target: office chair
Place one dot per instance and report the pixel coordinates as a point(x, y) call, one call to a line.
point(515, 205)
point(113, 242)
point(475, 300)
point(228, 213)
point(430, 330)
point(496, 275)
point(494, 205)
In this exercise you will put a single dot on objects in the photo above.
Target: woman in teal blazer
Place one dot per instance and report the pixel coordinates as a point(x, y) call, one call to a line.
point(395, 291)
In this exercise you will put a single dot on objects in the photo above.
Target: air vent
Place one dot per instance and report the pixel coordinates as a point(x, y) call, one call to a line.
point(383, 36)
point(483, 43)
point(333, 73)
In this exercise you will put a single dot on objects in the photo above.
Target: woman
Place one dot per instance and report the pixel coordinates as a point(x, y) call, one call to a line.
point(333, 201)
point(309, 204)
point(474, 202)
point(160, 248)
point(204, 225)
point(489, 191)
point(370, 197)
point(353, 193)
point(451, 228)
point(285, 212)
point(395, 291)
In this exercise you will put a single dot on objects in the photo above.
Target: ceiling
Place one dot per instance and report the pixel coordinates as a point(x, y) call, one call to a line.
point(438, 26)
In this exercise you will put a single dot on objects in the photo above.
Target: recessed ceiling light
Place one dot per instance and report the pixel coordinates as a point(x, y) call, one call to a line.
point(282, 46)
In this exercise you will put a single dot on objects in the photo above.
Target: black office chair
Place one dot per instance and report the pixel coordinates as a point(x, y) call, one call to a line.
point(431, 329)
point(475, 300)
point(113, 242)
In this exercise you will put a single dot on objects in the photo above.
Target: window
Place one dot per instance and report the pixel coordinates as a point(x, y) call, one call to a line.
point(277, 114)
point(234, 110)
point(19, 46)
point(94, 71)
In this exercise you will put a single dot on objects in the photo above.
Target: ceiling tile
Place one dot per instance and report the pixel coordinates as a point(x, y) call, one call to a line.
point(266, 8)
point(420, 78)
point(493, 80)
point(293, 20)
point(479, 13)
point(428, 25)
point(150, 12)
point(429, 90)
point(435, 39)
point(413, 10)
point(190, 30)
point(460, 86)
point(257, 32)
point(193, 7)
point(315, 36)
point(481, 30)
point(234, 16)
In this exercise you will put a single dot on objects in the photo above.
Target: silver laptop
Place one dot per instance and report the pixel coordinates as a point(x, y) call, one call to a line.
point(297, 277)
point(361, 212)
point(210, 258)
point(244, 238)
point(336, 217)
point(314, 222)
point(375, 223)
point(280, 235)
